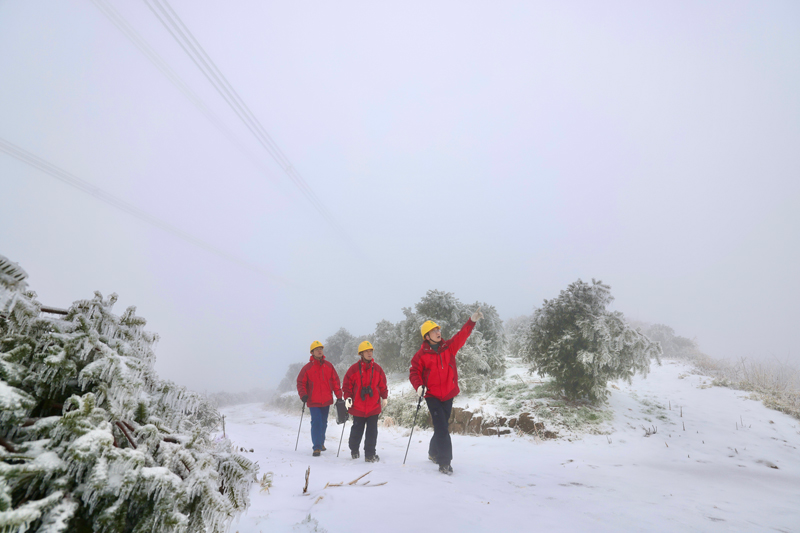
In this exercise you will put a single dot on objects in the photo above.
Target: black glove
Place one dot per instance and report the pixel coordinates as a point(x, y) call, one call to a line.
point(304, 399)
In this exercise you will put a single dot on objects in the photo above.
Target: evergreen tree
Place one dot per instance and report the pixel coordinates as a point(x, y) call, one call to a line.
point(335, 344)
point(516, 332)
point(387, 341)
point(350, 354)
point(582, 345)
point(91, 440)
point(673, 346)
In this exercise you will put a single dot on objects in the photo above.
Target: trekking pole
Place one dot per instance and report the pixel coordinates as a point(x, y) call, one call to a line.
point(342, 437)
point(301, 425)
point(419, 403)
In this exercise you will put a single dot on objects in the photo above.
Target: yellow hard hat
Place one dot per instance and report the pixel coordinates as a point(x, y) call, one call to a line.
point(366, 345)
point(427, 326)
point(315, 344)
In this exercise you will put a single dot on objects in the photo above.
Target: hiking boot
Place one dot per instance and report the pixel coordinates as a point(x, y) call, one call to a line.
point(323, 448)
point(446, 469)
point(432, 459)
point(316, 453)
point(355, 455)
point(372, 458)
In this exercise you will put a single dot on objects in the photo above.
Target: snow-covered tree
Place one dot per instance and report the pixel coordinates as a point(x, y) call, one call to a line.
point(289, 381)
point(335, 344)
point(672, 345)
point(350, 354)
point(91, 440)
point(516, 333)
point(582, 345)
point(388, 341)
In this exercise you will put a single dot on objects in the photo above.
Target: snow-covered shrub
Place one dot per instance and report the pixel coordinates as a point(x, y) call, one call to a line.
point(401, 410)
point(582, 345)
point(93, 441)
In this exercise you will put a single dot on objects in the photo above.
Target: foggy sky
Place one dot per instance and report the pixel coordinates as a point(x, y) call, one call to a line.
point(497, 151)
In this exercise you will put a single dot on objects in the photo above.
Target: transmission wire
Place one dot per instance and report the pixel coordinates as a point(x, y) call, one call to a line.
point(84, 186)
point(215, 77)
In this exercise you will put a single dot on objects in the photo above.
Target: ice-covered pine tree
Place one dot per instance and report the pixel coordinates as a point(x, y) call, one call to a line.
point(582, 345)
point(93, 441)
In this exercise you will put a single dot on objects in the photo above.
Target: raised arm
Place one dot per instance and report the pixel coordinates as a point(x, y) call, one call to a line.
point(461, 337)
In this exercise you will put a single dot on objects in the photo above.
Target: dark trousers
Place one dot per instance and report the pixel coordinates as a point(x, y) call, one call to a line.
point(441, 447)
point(357, 430)
point(319, 424)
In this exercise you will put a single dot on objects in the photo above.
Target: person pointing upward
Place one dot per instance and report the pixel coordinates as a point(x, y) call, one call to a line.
point(434, 373)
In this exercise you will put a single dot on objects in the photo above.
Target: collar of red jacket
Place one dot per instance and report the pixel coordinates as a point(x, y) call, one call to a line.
point(366, 363)
point(314, 360)
point(442, 345)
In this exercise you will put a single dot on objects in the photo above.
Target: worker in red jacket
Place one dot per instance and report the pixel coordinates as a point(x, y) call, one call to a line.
point(434, 374)
point(317, 382)
point(366, 394)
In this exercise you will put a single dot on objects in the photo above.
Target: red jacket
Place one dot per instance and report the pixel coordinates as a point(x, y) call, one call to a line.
point(318, 379)
point(360, 375)
point(437, 371)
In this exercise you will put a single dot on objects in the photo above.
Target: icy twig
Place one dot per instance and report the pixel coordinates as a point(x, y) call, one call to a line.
point(318, 499)
point(265, 482)
point(308, 472)
point(128, 436)
point(359, 477)
point(7, 445)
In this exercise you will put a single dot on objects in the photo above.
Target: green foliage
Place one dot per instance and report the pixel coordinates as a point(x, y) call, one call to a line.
point(95, 441)
point(582, 345)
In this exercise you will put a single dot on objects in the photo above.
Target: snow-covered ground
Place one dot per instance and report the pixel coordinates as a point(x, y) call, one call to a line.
point(735, 467)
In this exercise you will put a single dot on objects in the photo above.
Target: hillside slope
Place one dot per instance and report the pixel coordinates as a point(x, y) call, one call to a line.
point(735, 467)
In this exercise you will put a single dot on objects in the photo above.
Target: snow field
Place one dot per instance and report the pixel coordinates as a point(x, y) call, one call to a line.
point(716, 475)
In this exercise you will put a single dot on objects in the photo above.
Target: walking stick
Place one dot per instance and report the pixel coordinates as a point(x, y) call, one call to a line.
point(419, 402)
point(342, 437)
point(301, 425)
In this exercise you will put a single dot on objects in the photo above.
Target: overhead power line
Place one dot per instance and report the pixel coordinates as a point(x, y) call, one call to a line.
point(184, 37)
point(128, 31)
point(84, 186)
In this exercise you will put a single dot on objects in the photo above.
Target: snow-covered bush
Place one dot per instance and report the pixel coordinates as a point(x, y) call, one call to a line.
point(401, 410)
point(93, 441)
point(582, 345)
